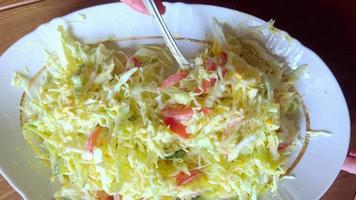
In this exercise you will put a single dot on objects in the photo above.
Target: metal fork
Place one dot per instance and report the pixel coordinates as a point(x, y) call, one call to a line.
point(167, 36)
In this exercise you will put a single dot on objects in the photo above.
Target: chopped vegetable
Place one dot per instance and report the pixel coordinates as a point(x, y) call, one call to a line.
point(178, 112)
point(223, 58)
point(206, 110)
point(176, 127)
point(136, 62)
point(206, 84)
point(102, 195)
point(93, 138)
point(177, 155)
point(182, 178)
point(210, 64)
point(197, 198)
point(282, 146)
point(173, 79)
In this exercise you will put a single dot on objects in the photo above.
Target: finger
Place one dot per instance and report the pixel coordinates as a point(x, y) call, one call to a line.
point(160, 6)
point(140, 6)
point(353, 153)
point(349, 165)
point(136, 5)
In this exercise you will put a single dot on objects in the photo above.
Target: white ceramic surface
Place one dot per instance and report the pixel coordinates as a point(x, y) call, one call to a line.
point(321, 93)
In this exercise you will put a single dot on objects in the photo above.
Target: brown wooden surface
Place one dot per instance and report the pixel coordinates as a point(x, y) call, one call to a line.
point(326, 26)
point(5, 5)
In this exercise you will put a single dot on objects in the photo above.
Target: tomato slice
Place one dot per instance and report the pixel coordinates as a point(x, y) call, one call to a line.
point(224, 71)
point(176, 127)
point(102, 195)
point(282, 146)
point(198, 91)
point(178, 112)
point(212, 82)
point(183, 178)
point(223, 58)
point(93, 138)
point(174, 79)
point(205, 85)
point(136, 62)
point(206, 111)
point(209, 64)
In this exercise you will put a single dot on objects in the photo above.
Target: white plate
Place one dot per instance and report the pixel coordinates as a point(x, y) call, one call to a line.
point(315, 172)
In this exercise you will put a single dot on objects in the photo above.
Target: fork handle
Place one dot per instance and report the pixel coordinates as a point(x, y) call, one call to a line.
point(172, 45)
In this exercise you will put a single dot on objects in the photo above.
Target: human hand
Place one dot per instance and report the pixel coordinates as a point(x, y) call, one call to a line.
point(350, 163)
point(140, 6)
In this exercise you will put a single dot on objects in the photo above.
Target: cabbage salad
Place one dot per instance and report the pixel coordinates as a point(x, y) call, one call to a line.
point(112, 125)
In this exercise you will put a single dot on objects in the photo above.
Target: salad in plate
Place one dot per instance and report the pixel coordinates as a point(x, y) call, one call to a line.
point(113, 125)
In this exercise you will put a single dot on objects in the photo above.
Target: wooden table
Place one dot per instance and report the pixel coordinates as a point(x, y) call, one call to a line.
point(326, 26)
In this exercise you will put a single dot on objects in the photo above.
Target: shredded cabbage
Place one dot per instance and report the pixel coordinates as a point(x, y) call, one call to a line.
point(237, 145)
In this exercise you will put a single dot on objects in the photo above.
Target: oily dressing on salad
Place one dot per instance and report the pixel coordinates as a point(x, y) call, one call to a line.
point(112, 125)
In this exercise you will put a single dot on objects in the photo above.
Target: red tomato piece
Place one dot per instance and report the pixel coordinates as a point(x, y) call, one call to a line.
point(223, 58)
point(206, 84)
point(206, 110)
point(212, 82)
point(176, 127)
point(197, 91)
point(173, 79)
point(135, 61)
point(102, 195)
point(183, 178)
point(93, 138)
point(224, 71)
point(282, 146)
point(178, 112)
point(209, 64)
